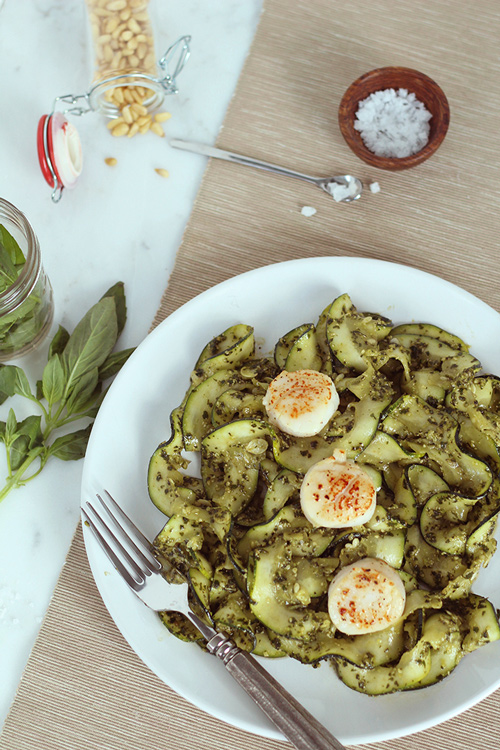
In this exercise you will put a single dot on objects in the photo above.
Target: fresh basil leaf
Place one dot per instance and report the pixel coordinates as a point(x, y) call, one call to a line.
point(53, 380)
point(71, 447)
point(117, 292)
point(8, 272)
point(2, 432)
point(10, 427)
point(8, 378)
point(13, 381)
point(94, 405)
point(29, 435)
point(82, 391)
point(114, 363)
point(91, 342)
point(59, 341)
point(39, 390)
point(11, 246)
point(21, 384)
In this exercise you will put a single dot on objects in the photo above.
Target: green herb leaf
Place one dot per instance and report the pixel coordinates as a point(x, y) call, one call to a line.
point(8, 272)
point(59, 341)
point(82, 391)
point(10, 427)
point(114, 363)
point(91, 342)
point(29, 435)
point(71, 447)
point(13, 381)
point(93, 406)
point(53, 380)
point(10, 245)
point(117, 292)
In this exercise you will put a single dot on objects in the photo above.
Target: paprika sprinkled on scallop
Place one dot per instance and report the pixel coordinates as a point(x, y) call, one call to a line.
point(302, 402)
point(365, 597)
point(336, 493)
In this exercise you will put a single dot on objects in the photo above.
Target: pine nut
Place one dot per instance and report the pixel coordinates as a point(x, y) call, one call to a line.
point(127, 115)
point(111, 161)
point(113, 123)
point(162, 116)
point(157, 128)
point(139, 108)
point(118, 95)
point(121, 129)
point(163, 172)
point(134, 128)
point(116, 5)
point(134, 26)
point(111, 25)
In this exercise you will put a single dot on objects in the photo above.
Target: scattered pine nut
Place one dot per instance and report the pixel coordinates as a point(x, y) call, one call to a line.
point(163, 172)
point(157, 129)
point(111, 161)
point(162, 116)
point(114, 122)
point(121, 129)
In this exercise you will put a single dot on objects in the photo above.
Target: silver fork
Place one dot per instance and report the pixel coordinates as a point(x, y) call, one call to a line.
point(132, 555)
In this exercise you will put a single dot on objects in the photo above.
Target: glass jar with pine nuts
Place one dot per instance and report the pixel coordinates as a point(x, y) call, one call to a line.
point(126, 86)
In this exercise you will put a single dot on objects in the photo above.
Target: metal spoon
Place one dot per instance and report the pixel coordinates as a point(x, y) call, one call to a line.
point(342, 188)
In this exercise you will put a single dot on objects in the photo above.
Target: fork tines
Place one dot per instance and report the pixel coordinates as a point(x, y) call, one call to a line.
point(125, 545)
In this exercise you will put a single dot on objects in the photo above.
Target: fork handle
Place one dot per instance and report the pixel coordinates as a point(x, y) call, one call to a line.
point(291, 718)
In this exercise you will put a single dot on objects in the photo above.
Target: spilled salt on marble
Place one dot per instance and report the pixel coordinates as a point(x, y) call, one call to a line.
point(393, 123)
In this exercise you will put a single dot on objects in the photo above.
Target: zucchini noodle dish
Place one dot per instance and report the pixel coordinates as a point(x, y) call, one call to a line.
point(345, 500)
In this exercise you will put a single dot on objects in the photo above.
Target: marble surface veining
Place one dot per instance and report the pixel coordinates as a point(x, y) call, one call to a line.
point(119, 223)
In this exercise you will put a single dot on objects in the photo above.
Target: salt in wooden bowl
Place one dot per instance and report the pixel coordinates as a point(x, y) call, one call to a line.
point(426, 91)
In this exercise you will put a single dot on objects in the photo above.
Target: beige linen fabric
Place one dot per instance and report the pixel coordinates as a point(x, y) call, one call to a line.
point(83, 686)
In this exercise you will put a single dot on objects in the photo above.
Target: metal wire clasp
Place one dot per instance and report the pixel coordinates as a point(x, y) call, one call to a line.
point(181, 49)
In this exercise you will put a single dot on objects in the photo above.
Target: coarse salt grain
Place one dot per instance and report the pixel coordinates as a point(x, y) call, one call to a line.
point(393, 123)
point(340, 192)
point(374, 187)
point(307, 211)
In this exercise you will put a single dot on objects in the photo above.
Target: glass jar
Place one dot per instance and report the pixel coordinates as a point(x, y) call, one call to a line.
point(128, 85)
point(26, 301)
point(125, 67)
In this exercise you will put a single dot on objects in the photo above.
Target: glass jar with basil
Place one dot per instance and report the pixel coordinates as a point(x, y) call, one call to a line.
point(26, 302)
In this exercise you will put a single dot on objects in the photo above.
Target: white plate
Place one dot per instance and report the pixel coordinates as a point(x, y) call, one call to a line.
point(134, 418)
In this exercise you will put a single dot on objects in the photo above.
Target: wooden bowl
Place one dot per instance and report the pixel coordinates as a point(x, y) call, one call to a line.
point(426, 91)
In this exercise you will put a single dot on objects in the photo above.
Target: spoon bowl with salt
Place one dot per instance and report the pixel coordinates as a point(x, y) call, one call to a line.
point(394, 118)
point(342, 188)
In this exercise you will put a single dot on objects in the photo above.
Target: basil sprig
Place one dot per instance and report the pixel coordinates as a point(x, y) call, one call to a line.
point(71, 389)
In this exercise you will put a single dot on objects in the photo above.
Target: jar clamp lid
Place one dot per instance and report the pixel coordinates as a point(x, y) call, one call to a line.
point(58, 143)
